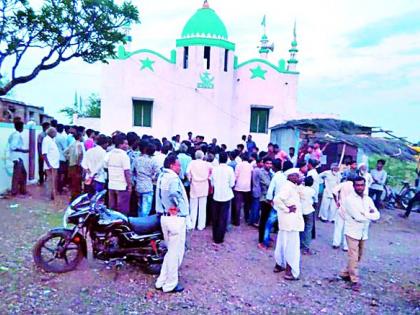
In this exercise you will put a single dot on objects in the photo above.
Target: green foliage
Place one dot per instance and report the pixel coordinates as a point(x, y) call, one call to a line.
point(59, 31)
point(92, 109)
point(397, 170)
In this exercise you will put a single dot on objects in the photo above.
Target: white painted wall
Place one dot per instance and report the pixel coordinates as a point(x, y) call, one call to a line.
point(89, 122)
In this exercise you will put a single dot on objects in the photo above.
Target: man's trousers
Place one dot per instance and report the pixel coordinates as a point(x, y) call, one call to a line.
point(219, 219)
point(356, 248)
point(18, 178)
point(174, 233)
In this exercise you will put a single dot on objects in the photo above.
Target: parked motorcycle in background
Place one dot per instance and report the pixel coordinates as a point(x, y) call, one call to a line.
point(393, 198)
point(114, 237)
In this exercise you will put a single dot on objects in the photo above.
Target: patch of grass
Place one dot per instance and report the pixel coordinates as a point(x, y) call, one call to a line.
point(54, 219)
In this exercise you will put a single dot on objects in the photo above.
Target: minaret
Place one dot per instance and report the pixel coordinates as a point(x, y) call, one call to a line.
point(264, 47)
point(292, 62)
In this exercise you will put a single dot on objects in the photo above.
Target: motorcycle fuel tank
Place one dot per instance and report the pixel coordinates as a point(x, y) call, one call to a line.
point(111, 217)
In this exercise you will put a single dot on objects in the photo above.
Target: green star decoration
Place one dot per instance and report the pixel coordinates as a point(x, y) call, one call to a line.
point(258, 72)
point(147, 64)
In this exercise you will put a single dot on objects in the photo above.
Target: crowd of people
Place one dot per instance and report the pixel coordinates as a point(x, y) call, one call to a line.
point(193, 184)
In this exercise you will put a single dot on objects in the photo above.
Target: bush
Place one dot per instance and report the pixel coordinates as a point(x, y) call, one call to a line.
point(397, 170)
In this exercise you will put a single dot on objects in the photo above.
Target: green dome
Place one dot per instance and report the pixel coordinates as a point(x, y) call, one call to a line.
point(205, 23)
point(294, 43)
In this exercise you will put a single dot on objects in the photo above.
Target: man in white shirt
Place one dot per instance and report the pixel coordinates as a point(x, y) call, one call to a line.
point(312, 164)
point(93, 164)
point(363, 171)
point(118, 164)
point(328, 208)
point(242, 190)
point(16, 154)
point(312, 172)
point(379, 176)
point(292, 156)
point(40, 138)
point(74, 154)
point(307, 195)
point(223, 180)
point(359, 211)
point(51, 156)
point(162, 150)
point(289, 209)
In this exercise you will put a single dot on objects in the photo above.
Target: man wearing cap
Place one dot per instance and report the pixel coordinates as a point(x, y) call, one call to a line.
point(328, 208)
point(173, 208)
point(289, 209)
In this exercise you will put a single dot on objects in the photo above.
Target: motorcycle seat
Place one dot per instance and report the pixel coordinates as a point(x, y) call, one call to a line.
point(145, 225)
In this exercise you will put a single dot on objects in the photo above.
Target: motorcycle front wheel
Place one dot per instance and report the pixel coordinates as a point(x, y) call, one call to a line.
point(51, 254)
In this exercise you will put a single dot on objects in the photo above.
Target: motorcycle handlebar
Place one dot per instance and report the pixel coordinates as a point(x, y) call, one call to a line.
point(95, 199)
point(98, 195)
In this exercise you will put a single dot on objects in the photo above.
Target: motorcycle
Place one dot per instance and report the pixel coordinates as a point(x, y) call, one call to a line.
point(399, 199)
point(115, 238)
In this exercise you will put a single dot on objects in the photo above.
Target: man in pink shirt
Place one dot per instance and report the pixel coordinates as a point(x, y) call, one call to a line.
point(242, 190)
point(317, 152)
point(90, 142)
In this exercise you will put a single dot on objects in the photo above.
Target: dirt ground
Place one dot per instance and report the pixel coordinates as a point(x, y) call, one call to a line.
point(235, 278)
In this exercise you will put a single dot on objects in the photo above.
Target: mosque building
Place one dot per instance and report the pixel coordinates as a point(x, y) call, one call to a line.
point(201, 87)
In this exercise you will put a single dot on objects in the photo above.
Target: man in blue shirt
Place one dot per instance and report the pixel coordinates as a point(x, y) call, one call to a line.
point(185, 160)
point(173, 208)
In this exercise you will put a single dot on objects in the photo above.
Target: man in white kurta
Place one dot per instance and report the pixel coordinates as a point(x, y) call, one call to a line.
point(198, 174)
point(328, 208)
point(340, 193)
point(290, 218)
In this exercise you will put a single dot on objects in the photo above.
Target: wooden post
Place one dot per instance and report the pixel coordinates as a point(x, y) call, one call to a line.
point(342, 155)
point(32, 154)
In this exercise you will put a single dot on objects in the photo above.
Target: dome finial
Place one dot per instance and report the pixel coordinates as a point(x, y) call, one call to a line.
point(293, 51)
point(206, 4)
point(265, 46)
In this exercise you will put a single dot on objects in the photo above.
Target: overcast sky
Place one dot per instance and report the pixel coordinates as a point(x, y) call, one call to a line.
point(359, 59)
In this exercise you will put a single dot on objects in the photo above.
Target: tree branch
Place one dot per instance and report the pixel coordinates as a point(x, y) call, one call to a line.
point(42, 67)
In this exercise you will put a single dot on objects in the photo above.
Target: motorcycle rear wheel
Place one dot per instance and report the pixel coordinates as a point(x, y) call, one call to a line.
point(50, 255)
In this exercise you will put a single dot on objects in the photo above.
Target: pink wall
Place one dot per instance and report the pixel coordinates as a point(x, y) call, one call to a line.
point(179, 106)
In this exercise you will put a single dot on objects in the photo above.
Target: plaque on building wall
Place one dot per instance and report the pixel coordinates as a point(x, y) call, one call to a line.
point(206, 81)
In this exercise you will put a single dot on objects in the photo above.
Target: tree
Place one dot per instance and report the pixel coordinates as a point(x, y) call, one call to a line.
point(3, 83)
point(76, 108)
point(60, 30)
point(93, 107)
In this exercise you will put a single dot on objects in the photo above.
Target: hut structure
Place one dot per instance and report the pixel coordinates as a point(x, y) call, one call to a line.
point(345, 140)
